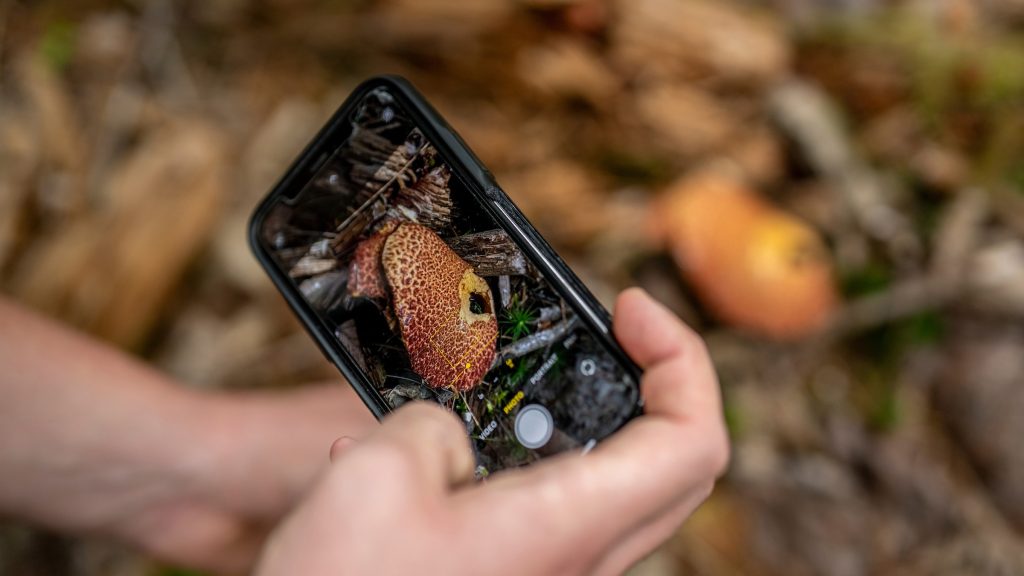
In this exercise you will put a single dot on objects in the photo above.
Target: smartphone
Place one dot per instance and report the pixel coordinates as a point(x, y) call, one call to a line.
point(421, 280)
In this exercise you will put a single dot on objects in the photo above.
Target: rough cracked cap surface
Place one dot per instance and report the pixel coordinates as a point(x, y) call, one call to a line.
point(445, 311)
point(364, 274)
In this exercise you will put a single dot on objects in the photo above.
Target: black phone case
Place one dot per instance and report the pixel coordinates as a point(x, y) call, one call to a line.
point(480, 182)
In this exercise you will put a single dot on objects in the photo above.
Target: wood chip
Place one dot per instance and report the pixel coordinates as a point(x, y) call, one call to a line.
point(562, 199)
point(698, 38)
point(19, 156)
point(112, 271)
point(568, 68)
point(688, 120)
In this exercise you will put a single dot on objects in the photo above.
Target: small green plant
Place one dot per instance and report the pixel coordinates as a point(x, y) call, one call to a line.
point(496, 400)
point(519, 319)
point(870, 279)
point(519, 370)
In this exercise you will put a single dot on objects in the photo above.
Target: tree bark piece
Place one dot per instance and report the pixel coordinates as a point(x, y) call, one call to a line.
point(490, 253)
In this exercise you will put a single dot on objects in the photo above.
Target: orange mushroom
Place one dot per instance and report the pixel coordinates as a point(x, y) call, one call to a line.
point(751, 264)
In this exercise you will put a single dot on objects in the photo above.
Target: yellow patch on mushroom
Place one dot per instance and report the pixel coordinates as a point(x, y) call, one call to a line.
point(475, 307)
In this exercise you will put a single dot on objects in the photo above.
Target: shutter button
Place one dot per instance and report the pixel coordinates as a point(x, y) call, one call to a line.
point(534, 426)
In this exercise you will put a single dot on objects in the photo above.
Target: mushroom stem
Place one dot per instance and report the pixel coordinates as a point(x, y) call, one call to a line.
point(505, 290)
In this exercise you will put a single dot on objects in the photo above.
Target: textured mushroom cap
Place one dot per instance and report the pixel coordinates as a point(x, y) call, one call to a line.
point(445, 311)
point(365, 276)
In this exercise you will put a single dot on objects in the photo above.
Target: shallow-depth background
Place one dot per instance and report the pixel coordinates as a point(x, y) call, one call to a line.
point(881, 436)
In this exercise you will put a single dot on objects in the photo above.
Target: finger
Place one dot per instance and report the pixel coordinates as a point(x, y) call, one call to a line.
point(421, 441)
point(208, 540)
point(678, 446)
point(649, 537)
point(339, 446)
point(680, 382)
point(582, 504)
point(648, 331)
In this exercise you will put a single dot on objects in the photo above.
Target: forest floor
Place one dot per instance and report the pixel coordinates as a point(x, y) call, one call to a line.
point(881, 143)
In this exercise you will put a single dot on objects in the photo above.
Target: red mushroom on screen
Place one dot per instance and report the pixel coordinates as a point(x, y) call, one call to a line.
point(444, 310)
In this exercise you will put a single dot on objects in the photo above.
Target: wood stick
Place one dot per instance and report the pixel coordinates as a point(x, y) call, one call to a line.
point(534, 342)
point(491, 253)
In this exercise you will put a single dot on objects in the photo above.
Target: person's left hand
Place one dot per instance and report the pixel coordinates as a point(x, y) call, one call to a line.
point(255, 455)
point(93, 441)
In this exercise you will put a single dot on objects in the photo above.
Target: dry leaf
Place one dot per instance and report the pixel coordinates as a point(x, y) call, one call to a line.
point(19, 159)
point(562, 199)
point(52, 111)
point(111, 272)
point(981, 396)
point(688, 39)
point(689, 120)
point(413, 21)
point(759, 153)
point(568, 68)
point(59, 131)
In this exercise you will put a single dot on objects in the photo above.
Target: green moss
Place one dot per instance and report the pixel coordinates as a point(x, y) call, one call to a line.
point(1016, 178)
point(1002, 68)
point(922, 329)
point(885, 411)
point(57, 46)
point(938, 62)
point(886, 345)
point(519, 370)
point(496, 400)
point(734, 420)
point(630, 168)
point(519, 319)
point(1002, 163)
point(868, 280)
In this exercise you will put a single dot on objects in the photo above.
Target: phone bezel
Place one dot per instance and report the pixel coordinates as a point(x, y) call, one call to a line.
point(477, 180)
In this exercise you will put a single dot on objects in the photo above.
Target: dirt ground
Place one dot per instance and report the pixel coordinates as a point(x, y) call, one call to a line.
point(864, 303)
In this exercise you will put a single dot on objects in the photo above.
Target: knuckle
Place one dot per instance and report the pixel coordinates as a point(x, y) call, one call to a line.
point(433, 417)
point(389, 459)
point(416, 409)
point(445, 425)
point(717, 453)
point(699, 356)
point(707, 489)
point(693, 342)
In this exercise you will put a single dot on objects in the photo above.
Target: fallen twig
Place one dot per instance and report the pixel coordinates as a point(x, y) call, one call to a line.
point(534, 342)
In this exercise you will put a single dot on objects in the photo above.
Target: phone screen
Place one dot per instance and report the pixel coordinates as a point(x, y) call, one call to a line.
point(433, 300)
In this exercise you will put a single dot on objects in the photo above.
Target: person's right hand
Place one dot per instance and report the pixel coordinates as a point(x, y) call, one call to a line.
point(403, 501)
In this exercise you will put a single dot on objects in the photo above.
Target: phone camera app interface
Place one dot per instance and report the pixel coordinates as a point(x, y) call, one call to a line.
point(434, 301)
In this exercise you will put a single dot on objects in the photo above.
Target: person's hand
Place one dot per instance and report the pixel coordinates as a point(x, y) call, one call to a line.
point(94, 442)
point(252, 457)
point(403, 500)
